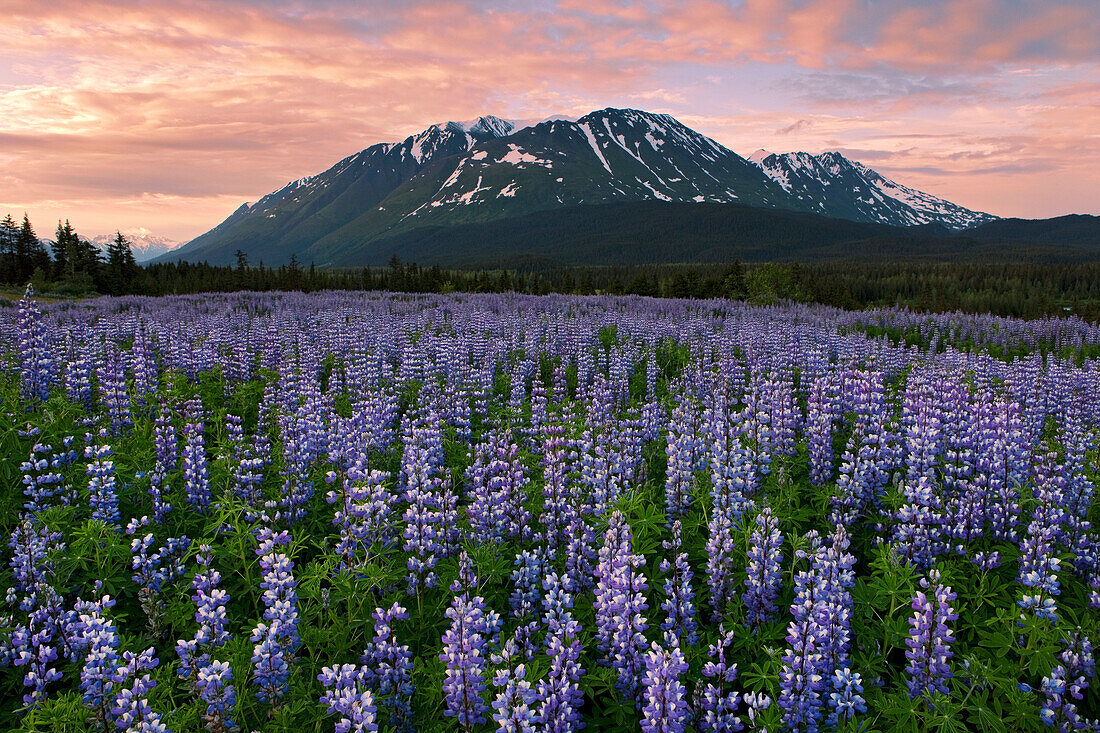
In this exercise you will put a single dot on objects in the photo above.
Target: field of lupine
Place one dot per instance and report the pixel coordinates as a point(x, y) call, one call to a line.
point(363, 511)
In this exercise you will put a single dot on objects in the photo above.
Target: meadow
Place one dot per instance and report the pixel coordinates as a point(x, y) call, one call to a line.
point(373, 511)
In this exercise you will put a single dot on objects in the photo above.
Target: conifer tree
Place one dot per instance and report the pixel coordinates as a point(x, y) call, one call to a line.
point(121, 267)
point(9, 233)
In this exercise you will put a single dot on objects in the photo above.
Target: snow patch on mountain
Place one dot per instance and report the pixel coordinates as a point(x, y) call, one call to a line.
point(832, 178)
point(143, 243)
point(516, 156)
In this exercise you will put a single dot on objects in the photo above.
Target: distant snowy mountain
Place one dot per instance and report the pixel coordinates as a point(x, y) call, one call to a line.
point(846, 189)
point(143, 243)
point(490, 169)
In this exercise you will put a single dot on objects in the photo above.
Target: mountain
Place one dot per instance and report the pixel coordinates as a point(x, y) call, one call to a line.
point(490, 169)
point(143, 243)
point(849, 190)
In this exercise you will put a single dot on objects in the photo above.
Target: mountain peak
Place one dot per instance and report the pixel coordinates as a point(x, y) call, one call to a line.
point(847, 188)
point(489, 125)
point(491, 168)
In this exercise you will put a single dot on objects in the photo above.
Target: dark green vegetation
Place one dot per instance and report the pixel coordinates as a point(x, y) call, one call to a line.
point(1050, 268)
point(655, 232)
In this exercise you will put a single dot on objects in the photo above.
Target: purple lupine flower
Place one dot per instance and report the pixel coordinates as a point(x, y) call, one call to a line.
point(78, 372)
point(347, 695)
point(559, 693)
point(102, 484)
point(679, 603)
point(930, 638)
point(276, 637)
point(734, 475)
point(684, 448)
point(918, 533)
point(32, 543)
point(579, 555)
point(530, 568)
point(602, 470)
point(100, 637)
point(866, 461)
point(1078, 655)
point(195, 477)
point(157, 480)
point(214, 688)
point(464, 645)
point(1005, 461)
point(834, 575)
point(558, 512)
point(497, 479)
point(420, 468)
point(390, 666)
point(665, 708)
point(34, 349)
point(757, 428)
point(515, 700)
point(846, 699)
point(987, 561)
point(619, 604)
point(764, 578)
point(210, 601)
point(164, 437)
point(822, 413)
point(716, 702)
point(153, 569)
point(36, 654)
point(111, 382)
point(1058, 711)
point(800, 681)
point(131, 710)
point(362, 514)
point(1039, 570)
point(42, 484)
point(720, 549)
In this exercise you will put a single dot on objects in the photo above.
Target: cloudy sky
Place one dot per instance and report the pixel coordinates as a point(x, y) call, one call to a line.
point(168, 115)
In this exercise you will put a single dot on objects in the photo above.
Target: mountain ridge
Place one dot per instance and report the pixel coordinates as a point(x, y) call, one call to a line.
point(453, 174)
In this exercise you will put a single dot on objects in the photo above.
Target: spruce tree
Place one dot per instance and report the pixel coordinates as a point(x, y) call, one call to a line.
point(63, 248)
point(121, 266)
point(30, 254)
point(9, 233)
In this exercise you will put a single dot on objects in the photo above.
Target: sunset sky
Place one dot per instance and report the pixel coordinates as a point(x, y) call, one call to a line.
point(168, 115)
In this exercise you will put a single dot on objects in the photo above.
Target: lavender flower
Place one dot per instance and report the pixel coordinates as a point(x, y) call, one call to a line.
point(464, 645)
point(930, 638)
point(34, 349)
point(665, 709)
point(214, 689)
point(716, 701)
point(276, 637)
point(559, 694)
point(346, 695)
point(679, 605)
point(389, 666)
point(620, 603)
point(764, 579)
point(195, 477)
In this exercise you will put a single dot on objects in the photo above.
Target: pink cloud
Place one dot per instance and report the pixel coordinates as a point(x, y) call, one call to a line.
point(213, 102)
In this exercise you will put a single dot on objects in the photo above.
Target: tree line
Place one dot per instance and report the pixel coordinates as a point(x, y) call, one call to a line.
point(72, 266)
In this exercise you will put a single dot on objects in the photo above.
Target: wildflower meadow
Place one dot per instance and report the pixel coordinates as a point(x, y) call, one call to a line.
point(361, 511)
